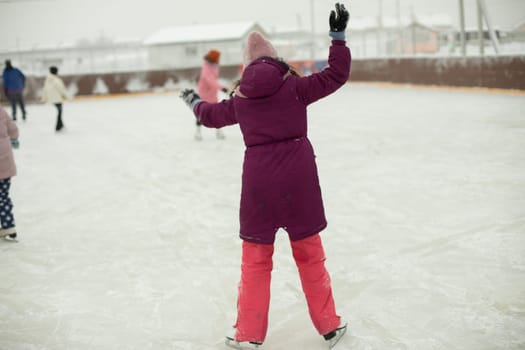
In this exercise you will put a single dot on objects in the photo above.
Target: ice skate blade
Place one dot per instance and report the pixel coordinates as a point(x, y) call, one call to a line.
point(232, 343)
point(8, 234)
point(339, 334)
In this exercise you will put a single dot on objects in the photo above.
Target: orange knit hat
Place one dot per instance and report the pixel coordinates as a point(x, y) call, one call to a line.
point(213, 56)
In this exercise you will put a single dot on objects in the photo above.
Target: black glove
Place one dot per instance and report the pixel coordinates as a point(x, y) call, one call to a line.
point(190, 97)
point(339, 18)
point(15, 143)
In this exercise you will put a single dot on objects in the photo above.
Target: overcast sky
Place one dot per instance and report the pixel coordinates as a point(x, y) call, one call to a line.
point(26, 23)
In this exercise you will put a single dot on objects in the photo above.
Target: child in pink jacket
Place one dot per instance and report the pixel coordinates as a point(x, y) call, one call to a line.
point(280, 184)
point(209, 85)
point(8, 140)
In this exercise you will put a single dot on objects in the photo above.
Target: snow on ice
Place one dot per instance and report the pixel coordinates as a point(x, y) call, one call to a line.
point(129, 234)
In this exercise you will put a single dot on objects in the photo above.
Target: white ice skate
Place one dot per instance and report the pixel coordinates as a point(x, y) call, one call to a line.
point(240, 345)
point(220, 134)
point(198, 135)
point(333, 337)
point(9, 234)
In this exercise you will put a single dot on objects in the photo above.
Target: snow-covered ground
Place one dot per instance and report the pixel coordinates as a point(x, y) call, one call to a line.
point(129, 234)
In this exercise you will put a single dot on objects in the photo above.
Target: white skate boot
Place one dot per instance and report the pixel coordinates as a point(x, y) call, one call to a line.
point(220, 134)
point(198, 135)
point(240, 345)
point(333, 337)
point(8, 234)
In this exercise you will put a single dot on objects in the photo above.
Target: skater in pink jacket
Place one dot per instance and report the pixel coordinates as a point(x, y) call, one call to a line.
point(209, 85)
point(8, 141)
point(280, 184)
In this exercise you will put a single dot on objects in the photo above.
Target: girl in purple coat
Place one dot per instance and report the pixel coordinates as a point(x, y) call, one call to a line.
point(280, 185)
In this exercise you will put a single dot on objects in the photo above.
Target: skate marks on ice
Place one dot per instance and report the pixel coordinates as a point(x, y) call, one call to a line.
point(128, 235)
point(432, 227)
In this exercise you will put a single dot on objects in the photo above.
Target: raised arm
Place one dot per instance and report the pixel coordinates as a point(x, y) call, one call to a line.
point(321, 84)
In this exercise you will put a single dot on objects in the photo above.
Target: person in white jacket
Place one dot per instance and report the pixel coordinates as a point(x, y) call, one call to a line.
point(55, 92)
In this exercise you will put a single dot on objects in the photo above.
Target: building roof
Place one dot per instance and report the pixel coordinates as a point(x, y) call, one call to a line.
point(201, 33)
point(425, 20)
point(519, 26)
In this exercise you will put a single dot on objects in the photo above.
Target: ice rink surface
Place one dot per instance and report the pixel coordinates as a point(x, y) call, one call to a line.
point(129, 228)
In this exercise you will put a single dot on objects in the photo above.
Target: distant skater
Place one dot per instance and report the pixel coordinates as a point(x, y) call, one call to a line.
point(55, 92)
point(280, 184)
point(14, 85)
point(209, 85)
point(8, 141)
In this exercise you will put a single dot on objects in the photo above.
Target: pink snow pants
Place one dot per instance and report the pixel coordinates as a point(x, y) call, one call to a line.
point(254, 288)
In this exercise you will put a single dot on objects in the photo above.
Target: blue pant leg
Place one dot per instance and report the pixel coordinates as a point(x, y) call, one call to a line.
point(13, 100)
point(20, 101)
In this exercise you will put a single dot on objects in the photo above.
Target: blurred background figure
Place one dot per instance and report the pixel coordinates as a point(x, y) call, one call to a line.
point(55, 92)
point(209, 85)
point(14, 84)
point(8, 141)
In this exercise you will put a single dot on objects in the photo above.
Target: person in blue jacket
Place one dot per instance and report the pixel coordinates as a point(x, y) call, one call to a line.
point(14, 84)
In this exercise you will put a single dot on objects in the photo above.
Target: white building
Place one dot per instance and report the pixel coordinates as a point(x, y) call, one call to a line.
point(391, 36)
point(185, 46)
point(101, 56)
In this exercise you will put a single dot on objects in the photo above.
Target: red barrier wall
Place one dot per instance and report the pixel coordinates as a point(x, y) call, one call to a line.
point(502, 72)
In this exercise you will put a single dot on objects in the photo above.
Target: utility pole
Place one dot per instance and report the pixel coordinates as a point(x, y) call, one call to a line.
point(462, 27)
point(481, 34)
point(399, 30)
point(379, 26)
point(493, 37)
point(312, 26)
point(413, 29)
point(18, 51)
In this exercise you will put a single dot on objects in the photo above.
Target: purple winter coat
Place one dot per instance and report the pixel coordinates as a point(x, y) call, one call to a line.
point(280, 186)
